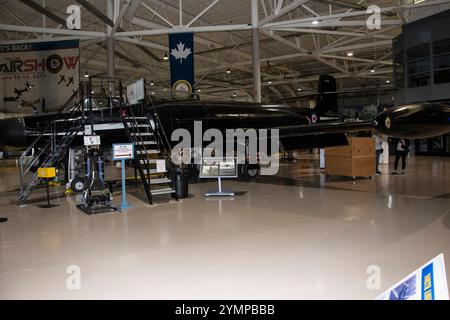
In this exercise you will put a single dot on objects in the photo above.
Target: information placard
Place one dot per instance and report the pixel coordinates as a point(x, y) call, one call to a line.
point(429, 282)
point(92, 140)
point(123, 151)
point(218, 168)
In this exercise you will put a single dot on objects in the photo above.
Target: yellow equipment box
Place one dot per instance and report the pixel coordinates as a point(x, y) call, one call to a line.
point(47, 173)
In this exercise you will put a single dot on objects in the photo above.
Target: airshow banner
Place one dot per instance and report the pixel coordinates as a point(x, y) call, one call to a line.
point(38, 77)
point(181, 47)
point(429, 282)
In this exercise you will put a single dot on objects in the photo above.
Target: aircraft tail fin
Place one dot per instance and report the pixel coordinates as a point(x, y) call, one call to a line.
point(326, 101)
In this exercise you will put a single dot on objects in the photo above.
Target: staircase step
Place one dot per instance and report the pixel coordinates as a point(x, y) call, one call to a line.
point(160, 181)
point(147, 151)
point(143, 134)
point(153, 171)
point(129, 125)
point(162, 191)
point(136, 118)
point(148, 161)
point(145, 142)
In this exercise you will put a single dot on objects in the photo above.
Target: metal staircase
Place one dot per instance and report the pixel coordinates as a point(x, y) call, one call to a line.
point(149, 150)
point(50, 147)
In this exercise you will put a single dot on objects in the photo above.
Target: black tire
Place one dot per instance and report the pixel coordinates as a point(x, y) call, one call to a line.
point(250, 170)
point(77, 185)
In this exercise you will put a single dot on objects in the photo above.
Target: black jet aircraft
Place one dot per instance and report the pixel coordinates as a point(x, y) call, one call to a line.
point(298, 128)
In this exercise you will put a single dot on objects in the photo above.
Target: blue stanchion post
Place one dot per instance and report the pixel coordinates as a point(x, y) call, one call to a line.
point(123, 152)
point(124, 204)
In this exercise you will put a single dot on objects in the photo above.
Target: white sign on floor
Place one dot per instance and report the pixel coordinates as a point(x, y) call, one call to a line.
point(429, 282)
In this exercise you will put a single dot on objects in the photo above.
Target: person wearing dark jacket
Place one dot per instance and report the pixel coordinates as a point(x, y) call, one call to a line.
point(401, 152)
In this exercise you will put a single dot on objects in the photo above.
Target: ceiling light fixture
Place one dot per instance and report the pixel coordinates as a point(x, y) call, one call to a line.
point(228, 71)
point(152, 83)
point(315, 22)
point(166, 57)
point(349, 54)
point(86, 75)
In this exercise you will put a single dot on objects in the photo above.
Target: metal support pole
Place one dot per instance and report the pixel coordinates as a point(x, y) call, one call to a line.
point(124, 204)
point(219, 181)
point(110, 46)
point(22, 187)
point(91, 116)
point(255, 53)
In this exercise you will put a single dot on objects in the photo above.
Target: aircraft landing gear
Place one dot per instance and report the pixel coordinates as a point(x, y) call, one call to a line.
point(250, 170)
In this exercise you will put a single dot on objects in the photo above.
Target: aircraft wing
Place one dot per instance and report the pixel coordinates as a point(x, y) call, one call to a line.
point(320, 135)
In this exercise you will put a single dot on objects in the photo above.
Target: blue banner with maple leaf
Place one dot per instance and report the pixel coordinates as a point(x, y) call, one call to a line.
point(181, 53)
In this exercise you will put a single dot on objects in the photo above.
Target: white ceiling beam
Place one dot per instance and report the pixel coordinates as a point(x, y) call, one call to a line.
point(146, 6)
point(83, 39)
point(118, 67)
point(288, 8)
point(324, 18)
point(120, 16)
point(330, 32)
point(180, 10)
point(336, 23)
point(310, 10)
point(26, 29)
point(294, 56)
point(145, 43)
point(297, 80)
point(382, 43)
point(202, 13)
point(276, 91)
point(373, 34)
point(223, 28)
point(16, 17)
point(132, 9)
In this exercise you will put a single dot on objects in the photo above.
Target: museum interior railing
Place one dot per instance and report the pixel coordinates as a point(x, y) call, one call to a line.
point(51, 144)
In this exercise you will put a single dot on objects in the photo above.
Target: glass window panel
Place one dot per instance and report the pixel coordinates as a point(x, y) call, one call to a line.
point(442, 46)
point(419, 66)
point(419, 80)
point(418, 52)
point(442, 76)
point(442, 62)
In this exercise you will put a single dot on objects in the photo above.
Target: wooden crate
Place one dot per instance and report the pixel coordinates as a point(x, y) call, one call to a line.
point(355, 160)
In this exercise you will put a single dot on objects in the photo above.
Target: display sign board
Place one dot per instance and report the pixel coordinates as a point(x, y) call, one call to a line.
point(429, 282)
point(123, 151)
point(218, 168)
point(92, 140)
point(38, 77)
point(136, 92)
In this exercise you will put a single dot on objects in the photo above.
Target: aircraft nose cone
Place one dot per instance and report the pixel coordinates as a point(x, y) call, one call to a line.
point(12, 132)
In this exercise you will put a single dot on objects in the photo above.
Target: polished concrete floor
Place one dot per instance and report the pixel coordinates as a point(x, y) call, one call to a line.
point(299, 235)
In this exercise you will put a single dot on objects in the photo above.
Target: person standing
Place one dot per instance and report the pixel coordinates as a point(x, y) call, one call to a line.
point(378, 152)
point(401, 152)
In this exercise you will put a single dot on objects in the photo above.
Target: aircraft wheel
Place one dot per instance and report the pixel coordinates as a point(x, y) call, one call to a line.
point(77, 185)
point(250, 170)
